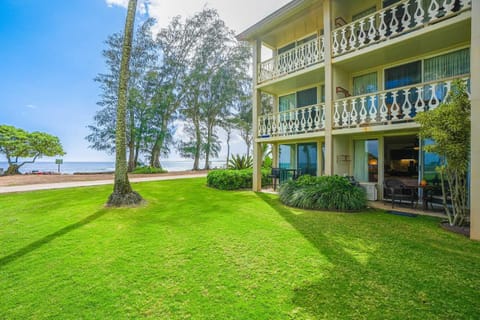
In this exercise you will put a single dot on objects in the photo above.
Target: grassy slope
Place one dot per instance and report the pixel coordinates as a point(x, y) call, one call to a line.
point(202, 253)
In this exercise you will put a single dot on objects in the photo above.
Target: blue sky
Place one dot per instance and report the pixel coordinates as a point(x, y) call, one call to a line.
point(51, 51)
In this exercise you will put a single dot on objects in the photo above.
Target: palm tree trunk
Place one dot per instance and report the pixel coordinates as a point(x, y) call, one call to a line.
point(122, 191)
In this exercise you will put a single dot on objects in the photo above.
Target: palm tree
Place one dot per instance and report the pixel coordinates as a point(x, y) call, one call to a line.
point(123, 195)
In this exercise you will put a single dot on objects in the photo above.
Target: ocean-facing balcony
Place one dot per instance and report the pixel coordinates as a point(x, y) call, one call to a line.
point(391, 107)
point(395, 20)
point(292, 122)
point(301, 57)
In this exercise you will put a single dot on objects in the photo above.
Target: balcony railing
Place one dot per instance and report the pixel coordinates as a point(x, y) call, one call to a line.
point(392, 21)
point(391, 106)
point(291, 122)
point(298, 58)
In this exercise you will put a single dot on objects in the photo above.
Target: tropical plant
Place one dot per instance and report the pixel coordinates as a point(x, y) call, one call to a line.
point(323, 193)
point(239, 162)
point(17, 144)
point(123, 195)
point(449, 127)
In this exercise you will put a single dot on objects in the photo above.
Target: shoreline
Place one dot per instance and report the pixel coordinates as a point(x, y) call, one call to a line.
point(32, 179)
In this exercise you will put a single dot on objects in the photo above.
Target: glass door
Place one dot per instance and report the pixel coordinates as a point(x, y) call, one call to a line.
point(307, 158)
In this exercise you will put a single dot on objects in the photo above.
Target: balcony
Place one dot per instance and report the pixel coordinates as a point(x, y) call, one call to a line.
point(390, 107)
point(292, 122)
point(296, 59)
point(390, 22)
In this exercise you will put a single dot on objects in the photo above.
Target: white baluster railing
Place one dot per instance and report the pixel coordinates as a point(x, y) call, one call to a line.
point(298, 58)
point(392, 106)
point(291, 122)
point(399, 18)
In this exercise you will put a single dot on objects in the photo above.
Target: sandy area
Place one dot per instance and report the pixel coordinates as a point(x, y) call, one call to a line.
point(27, 179)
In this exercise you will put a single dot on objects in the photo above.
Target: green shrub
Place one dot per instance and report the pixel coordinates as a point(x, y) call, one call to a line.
point(267, 163)
point(147, 169)
point(323, 193)
point(234, 179)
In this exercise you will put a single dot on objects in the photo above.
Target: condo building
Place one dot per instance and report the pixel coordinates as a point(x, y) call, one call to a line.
point(346, 79)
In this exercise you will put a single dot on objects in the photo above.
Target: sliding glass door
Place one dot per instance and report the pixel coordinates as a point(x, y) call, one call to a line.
point(307, 158)
point(365, 166)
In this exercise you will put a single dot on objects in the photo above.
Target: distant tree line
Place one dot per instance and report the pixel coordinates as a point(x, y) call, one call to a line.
point(192, 72)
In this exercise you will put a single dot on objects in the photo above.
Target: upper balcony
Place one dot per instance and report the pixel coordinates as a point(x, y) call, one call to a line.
point(390, 108)
point(302, 56)
point(383, 110)
point(391, 22)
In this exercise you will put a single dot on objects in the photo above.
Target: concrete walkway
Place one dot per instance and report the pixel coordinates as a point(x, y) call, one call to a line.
point(75, 184)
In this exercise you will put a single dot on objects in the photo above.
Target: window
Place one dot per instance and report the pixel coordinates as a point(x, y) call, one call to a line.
point(365, 166)
point(299, 99)
point(365, 84)
point(307, 97)
point(286, 103)
point(403, 75)
point(447, 65)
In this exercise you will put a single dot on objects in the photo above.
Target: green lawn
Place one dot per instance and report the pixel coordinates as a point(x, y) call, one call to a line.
point(200, 253)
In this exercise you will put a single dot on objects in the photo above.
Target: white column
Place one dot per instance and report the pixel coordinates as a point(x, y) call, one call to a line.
point(256, 106)
point(328, 88)
point(475, 143)
point(275, 163)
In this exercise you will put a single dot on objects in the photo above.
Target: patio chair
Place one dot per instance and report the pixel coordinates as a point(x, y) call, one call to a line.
point(395, 190)
point(275, 176)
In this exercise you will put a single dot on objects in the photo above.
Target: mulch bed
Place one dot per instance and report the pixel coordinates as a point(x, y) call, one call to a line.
point(465, 230)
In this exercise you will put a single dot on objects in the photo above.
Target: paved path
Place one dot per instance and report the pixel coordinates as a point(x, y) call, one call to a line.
point(74, 184)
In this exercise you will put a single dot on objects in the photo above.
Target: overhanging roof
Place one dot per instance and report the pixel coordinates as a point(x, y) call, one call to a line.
point(274, 19)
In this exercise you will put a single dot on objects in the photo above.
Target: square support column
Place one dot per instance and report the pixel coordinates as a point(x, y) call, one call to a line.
point(328, 88)
point(256, 108)
point(475, 125)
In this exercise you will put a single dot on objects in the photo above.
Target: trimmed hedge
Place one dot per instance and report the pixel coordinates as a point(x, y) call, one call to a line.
point(323, 193)
point(234, 179)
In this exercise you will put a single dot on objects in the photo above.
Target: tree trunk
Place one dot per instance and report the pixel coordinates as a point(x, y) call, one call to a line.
point(131, 140)
point(198, 145)
point(156, 152)
point(207, 148)
point(122, 192)
point(13, 169)
point(229, 133)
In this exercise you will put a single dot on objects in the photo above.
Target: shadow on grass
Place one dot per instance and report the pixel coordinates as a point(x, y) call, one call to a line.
point(381, 268)
point(49, 238)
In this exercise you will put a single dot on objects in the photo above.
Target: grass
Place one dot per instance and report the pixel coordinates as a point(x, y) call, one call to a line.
point(200, 253)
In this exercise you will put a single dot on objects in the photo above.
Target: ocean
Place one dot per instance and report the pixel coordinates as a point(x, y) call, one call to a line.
point(98, 167)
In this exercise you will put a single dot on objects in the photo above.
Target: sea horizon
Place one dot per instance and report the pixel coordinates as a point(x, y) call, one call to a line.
point(72, 167)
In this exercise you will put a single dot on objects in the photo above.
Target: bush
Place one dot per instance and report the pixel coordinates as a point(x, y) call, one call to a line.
point(323, 193)
point(147, 170)
point(234, 179)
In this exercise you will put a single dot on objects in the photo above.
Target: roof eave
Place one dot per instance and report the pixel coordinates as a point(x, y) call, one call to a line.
point(272, 19)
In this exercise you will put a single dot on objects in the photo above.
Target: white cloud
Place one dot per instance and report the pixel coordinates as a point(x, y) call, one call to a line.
point(238, 15)
point(122, 3)
point(31, 106)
